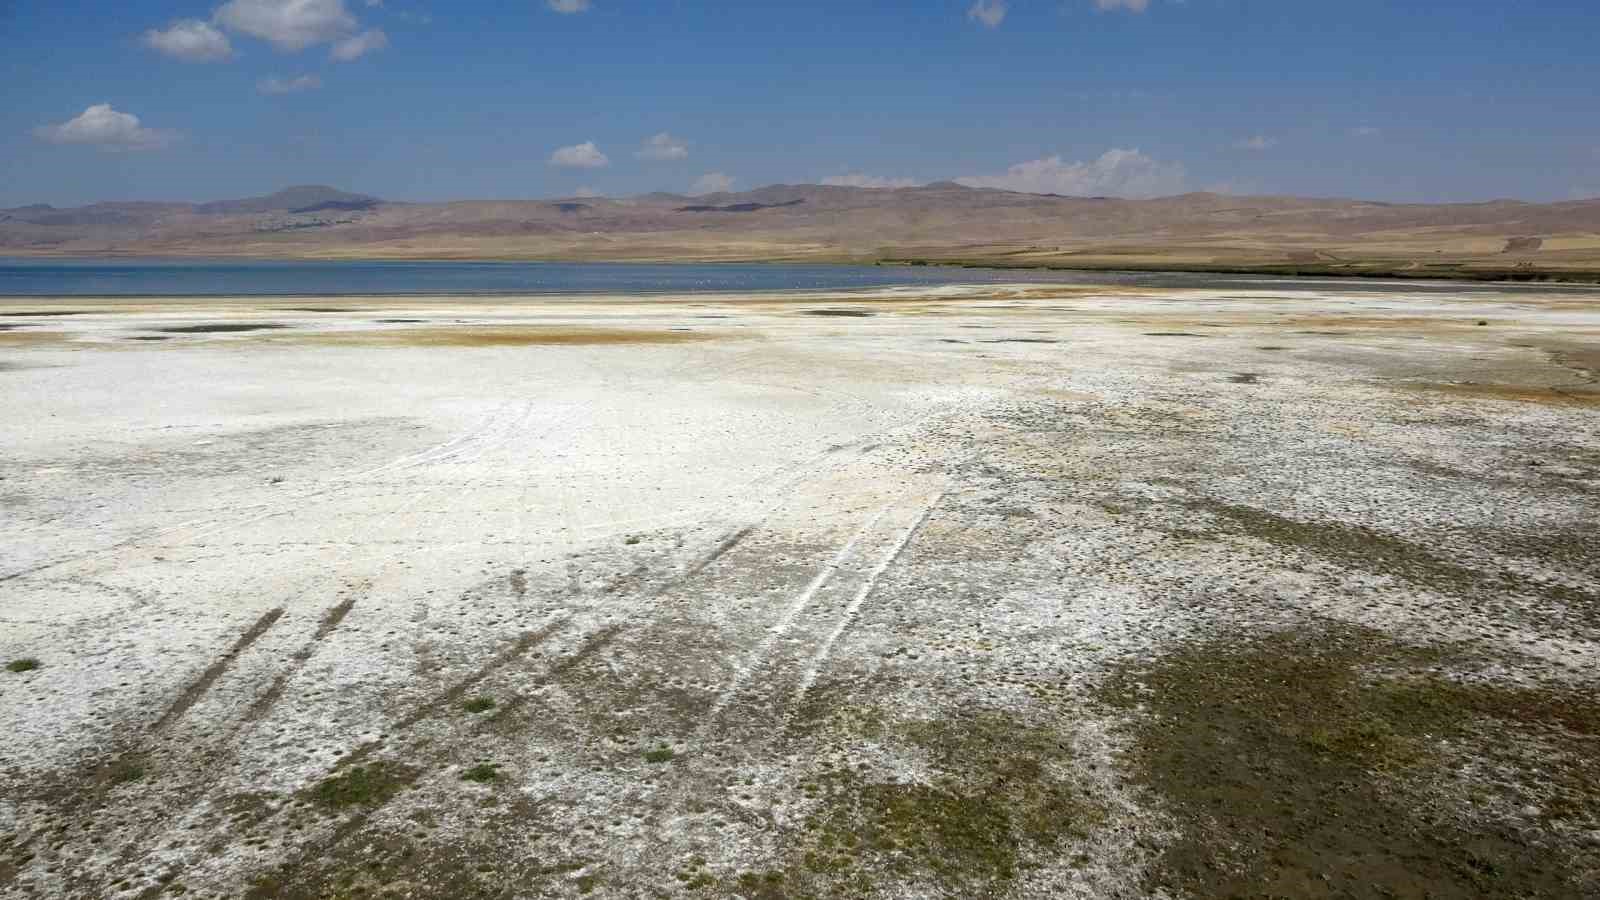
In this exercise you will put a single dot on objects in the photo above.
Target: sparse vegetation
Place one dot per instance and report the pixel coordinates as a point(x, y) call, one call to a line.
point(658, 755)
point(25, 664)
point(1301, 758)
point(482, 773)
point(362, 785)
point(997, 799)
point(478, 704)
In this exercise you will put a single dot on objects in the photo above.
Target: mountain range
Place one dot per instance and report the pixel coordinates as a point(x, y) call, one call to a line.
point(935, 223)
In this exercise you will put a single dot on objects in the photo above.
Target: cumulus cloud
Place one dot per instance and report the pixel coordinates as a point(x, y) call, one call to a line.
point(104, 127)
point(712, 183)
point(190, 40)
point(869, 181)
point(569, 6)
point(359, 45)
point(1255, 142)
point(587, 192)
point(288, 24)
point(988, 13)
point(579, 156)
point(1117, 173)
point(1137, 6)
point(276, 85)
point(663, 146)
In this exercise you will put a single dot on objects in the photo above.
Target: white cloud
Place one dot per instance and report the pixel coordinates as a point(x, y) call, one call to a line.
point(1117, 173)
point(1137, 6)
point(869, 181)
point(712, 183)
point(569, 6)
point(103, 127)
point(990, 13)
point(288, 24)
point(1366, 131)
point(579, 156)
point(276, 85)
point(1255, 142)
point(359, 45)
point(190, 40)
point(587, 192)
point(663, 146)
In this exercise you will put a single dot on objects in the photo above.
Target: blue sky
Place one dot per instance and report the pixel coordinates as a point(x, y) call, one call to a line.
point(472, 99)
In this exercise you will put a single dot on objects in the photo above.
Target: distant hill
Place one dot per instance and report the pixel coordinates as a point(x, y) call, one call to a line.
point(943, 222)
point(301, 198)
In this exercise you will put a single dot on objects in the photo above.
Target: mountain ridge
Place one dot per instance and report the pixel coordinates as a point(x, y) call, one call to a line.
point(939, 222)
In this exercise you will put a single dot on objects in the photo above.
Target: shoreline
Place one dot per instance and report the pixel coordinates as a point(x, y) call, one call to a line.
point(1297, 270)
point(1437, 279)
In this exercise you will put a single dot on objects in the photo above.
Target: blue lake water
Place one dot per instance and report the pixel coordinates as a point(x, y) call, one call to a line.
point(188, 277)
point(198, 278)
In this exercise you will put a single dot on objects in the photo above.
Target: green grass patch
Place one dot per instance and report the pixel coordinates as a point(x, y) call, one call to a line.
point(658, 755)
point(1304, 757)
point(478, 704)
point(26, 664)
point(482, 773)
point(1000, 797)
point(367, 785)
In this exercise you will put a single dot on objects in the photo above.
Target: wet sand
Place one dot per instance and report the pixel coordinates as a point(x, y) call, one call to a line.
point(990, 591)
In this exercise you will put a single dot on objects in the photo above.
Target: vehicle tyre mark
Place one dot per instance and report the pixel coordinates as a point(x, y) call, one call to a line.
point(757, 656)
point(809, 677)
point(198, 688)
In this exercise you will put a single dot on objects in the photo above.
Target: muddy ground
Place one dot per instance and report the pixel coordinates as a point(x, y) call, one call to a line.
point(948, 592)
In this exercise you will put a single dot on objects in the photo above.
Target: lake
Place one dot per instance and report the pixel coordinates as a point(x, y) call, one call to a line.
point(199, 278)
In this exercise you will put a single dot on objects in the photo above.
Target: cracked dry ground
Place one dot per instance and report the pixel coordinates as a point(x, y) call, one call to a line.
point(1016, 595)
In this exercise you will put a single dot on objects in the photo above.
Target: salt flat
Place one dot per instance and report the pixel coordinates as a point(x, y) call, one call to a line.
point(990, 591)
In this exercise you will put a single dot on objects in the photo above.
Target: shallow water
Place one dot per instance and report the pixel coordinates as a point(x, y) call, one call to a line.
point(198, 278)
point(107, 277)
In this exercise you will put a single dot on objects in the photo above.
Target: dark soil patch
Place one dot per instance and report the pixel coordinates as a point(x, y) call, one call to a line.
point(222, 327)
point(150, 337)
point(998, 798)
point(1363, 549)
point(319, 309)
point(399, 321)
point(1245, 378)
point(1020, 341)
point(1271, 347)
point(1311, 764)
point(49, 312)
point(848, 313)
point(1174, 334)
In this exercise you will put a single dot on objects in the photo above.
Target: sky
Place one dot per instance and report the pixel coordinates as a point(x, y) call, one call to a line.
point(427, 100)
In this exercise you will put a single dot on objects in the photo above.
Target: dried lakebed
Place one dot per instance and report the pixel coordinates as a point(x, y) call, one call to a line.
point(991, 591)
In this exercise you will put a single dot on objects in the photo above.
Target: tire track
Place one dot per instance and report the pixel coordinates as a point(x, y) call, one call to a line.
point(210, 765)
point(292, 875)
point(758, 656)
point(274, 692)
point(198, 688)
point(853, 610)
